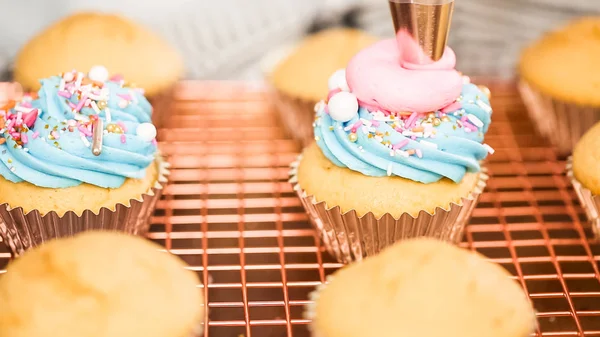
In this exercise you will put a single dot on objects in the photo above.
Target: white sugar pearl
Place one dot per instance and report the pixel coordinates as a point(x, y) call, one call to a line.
point(98, 73)
point(123, 104)
point(146, 132)
point(343, 106)
point(68, 76)
point(338, 81)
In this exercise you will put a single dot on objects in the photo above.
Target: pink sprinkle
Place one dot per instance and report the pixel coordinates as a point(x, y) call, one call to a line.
point(71, 105)
point(356, 125)
point(413, 137)
point(125, 97)
point(398, 129)
point(64, 94)
point(411, 120)
point(35, 135)
point(55, 135)
point(331, 93)
point(419, 153)
point(400, 145)
point(15, 135)
point(463, 118)
point(30, 118)
point(11, 124)
point(24, 138)
point(81, 103)
point(123, 139)
point(375, 123)
point(122, 125)
point(83, 130)
point(452, 107)
point(26, 104)
point(154, 142)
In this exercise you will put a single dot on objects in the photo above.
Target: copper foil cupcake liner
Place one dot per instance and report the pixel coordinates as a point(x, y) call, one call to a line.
point(297, 116)
point(22, 231)
point(589, 201)
point(349, 237)
point(560, 122)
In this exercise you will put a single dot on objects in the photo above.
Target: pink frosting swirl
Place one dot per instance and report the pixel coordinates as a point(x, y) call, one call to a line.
point(381, 81)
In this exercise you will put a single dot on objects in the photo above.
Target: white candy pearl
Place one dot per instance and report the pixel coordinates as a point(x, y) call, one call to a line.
point(68, 76)
point(343, 106)
point(98, 73)
point(146, 131)
point(123, 103)
point(338, 81)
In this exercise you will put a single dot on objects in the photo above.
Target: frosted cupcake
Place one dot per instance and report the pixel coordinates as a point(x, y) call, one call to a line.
point(80, 156)
point(397, 154)
point(559, 82)
point(422, 288)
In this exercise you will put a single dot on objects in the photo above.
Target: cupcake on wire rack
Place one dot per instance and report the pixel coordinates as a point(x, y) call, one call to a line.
point(583, 169)
point(81, 155)
point(559, 82)
point(397, 154)
point(100, 284)
point(424, 288)
point(300, 79)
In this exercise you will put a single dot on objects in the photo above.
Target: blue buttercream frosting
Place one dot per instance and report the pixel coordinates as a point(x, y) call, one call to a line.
point(54, 150)
point(420, 147)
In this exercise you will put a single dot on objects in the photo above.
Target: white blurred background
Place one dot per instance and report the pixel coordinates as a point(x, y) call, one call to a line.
point(226, 39)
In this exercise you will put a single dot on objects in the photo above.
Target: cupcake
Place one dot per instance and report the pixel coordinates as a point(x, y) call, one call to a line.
point(100, 284)
point(397, 155)
point(559, 82)
point(301, 79)
point(84, 40)
point(423, 288)
point(80, 156)
point(583, 170)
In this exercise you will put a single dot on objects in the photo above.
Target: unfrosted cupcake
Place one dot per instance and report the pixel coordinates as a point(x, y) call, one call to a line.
point(300, 80)
point(583, 169)
point(397, 154)
point(100, 284)
point(56, 178)
point(422, 288)
point(560, 81)
point(127, 49)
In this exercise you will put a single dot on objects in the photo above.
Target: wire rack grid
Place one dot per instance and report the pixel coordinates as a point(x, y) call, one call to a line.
point(229, 212)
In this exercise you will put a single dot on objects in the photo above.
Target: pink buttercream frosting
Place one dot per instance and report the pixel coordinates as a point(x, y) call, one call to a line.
point(382, 81)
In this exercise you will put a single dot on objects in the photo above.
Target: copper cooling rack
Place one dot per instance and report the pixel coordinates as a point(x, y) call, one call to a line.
point(231, 215)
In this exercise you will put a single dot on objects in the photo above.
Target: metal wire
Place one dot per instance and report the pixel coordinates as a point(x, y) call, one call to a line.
point(229, 212)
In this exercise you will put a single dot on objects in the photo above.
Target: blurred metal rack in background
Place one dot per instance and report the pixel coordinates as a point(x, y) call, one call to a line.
point(229, 212)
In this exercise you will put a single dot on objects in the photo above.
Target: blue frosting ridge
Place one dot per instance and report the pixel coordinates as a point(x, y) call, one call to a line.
point(457, 149)
point(67, 161)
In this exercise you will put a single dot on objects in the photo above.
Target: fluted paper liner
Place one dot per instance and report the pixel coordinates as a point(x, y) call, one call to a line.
point(350, 237)
point(297, 116)
point(589, 201)
point(562, 123)
point(22, 231)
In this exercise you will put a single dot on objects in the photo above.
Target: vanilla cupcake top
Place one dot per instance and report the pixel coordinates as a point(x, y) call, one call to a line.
point(85, 39)
point(384, 117)
point(426, 288)
point(81, 128)
point(564, 63)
